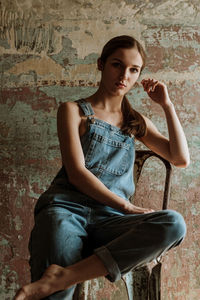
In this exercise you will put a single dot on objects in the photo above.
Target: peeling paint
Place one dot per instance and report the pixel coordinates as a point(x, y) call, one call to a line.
point(41, 66)
point(18, 223)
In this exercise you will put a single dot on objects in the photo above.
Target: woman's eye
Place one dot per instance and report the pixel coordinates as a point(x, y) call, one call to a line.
point(134, 70)
point(116, 64)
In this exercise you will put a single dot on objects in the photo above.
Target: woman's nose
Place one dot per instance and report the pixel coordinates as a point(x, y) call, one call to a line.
point(124, 74)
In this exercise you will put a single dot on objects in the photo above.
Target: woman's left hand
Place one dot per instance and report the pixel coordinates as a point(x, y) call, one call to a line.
point(157, 91)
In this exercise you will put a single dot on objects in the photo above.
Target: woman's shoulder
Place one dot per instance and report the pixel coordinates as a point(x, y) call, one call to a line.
point(149, 123)
point(69, 107)
point(70, 111)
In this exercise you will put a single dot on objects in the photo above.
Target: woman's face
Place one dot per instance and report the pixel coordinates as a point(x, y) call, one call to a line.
point(121, 71)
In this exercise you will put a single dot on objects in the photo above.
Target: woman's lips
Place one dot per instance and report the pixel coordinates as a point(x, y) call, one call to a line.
point(120, 85)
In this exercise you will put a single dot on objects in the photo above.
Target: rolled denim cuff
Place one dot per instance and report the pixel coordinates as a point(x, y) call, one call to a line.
point(110, 264)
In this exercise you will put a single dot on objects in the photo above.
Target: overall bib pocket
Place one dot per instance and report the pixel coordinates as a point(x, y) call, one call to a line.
point(107, 155)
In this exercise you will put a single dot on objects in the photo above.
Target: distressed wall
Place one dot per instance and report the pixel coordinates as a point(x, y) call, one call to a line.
point(48, 56)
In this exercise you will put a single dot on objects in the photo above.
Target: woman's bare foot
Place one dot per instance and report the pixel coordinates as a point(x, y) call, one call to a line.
point(57, 278)
point(54, 279)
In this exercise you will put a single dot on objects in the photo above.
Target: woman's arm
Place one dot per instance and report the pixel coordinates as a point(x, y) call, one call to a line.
point(68, 123)
point(174, 149)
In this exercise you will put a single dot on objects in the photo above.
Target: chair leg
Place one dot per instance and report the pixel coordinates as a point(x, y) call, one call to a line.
point(141, 279)
point(155, 283)
point(81, 291)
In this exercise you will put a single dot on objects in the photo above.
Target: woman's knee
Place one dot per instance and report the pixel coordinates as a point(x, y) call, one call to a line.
point(175, 227)
point(56, 238)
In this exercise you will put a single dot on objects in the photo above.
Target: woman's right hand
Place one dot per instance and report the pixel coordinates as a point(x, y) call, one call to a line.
point(132, 209)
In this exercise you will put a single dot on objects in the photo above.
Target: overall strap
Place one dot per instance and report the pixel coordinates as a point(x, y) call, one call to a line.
point(86, 107)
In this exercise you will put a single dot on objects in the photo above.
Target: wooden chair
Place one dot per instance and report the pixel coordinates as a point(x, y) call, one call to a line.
point(140, 284)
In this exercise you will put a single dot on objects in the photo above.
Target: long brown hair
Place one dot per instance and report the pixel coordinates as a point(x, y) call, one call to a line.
point(133, 122)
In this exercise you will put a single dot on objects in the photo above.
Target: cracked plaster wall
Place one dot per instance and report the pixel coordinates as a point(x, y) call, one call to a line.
point(48, 55)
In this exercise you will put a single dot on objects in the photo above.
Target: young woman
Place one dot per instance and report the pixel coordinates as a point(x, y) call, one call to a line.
point(85, 227)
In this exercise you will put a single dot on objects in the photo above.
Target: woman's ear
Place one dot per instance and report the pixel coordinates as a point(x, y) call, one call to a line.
point(100, 64)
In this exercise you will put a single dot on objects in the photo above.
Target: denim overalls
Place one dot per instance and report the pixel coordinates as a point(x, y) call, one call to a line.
point(70, 225)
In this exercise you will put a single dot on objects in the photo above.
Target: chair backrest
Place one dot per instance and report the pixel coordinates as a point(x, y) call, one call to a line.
point(141, 157)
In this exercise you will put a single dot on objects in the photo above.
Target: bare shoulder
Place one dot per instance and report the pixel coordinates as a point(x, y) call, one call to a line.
point(152, 132)
point(149, 125)
point(68, 106)
point(153, 139)
point(69, 109)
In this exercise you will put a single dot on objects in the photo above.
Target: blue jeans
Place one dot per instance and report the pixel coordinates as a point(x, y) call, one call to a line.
point(67, 231)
